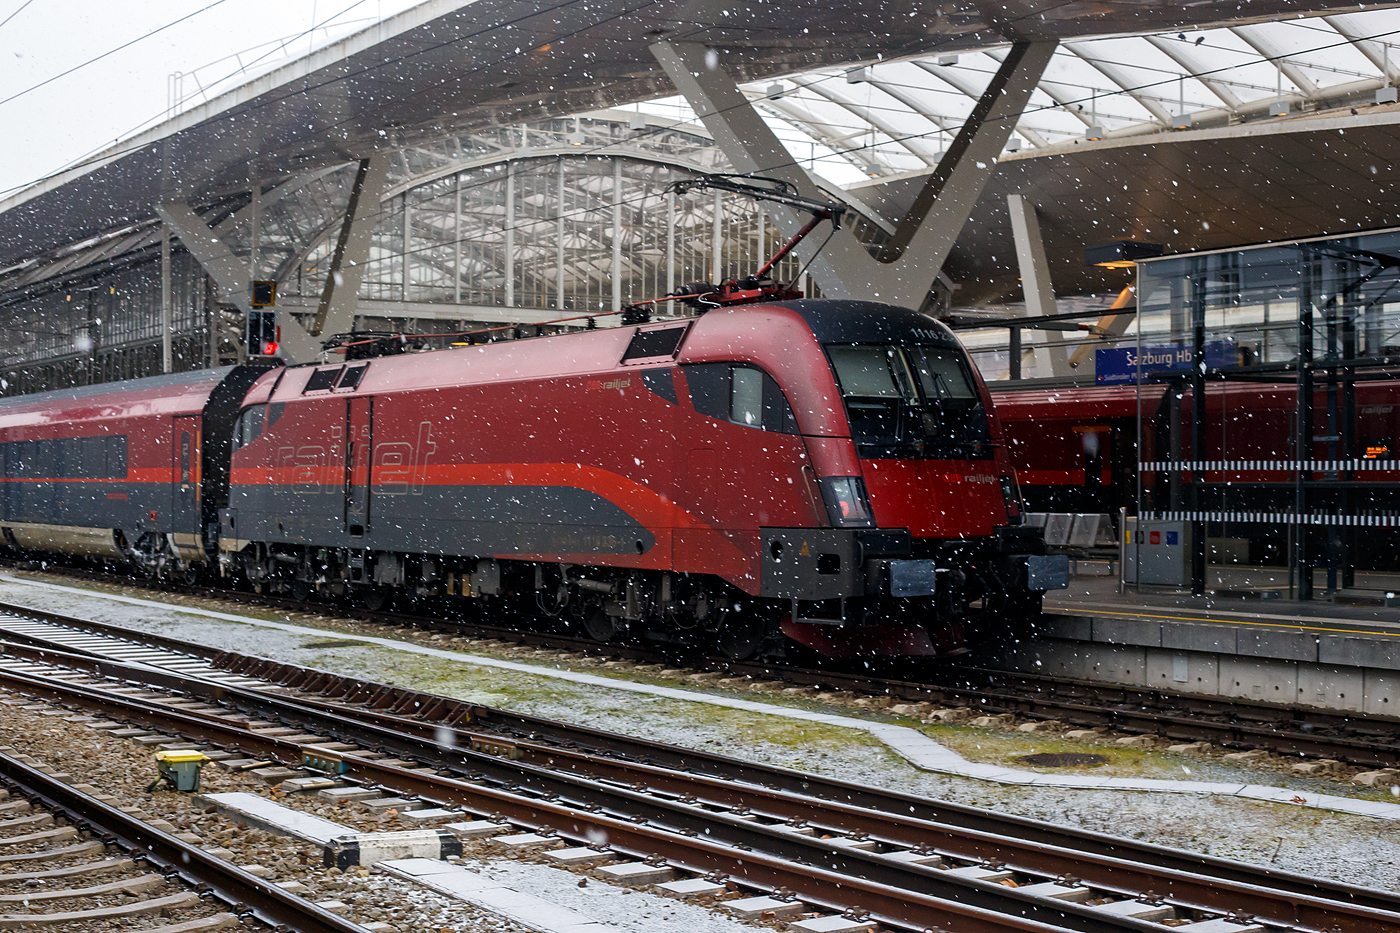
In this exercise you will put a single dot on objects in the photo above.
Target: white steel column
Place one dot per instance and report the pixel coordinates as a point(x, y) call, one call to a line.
point(510, 235)
point(1034, 267)
point(407, 237)
point(670, 234)
point(457, 241)
point(717, 240)
point(255, 208)
point(559, 240)
point(617, 237)
point(167, 355)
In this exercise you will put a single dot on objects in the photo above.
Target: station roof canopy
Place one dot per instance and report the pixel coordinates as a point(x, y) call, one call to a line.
point(446, 66)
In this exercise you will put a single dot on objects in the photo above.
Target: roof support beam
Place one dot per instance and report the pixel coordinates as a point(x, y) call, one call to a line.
point(1374, 51)
point(1255, 39)
point(906, 268)
point(1176, 51)
point(939, 210)
point(340, 296)
point(753, 148)
point(229, 272)
point(1035, 272)
point(1125, 84)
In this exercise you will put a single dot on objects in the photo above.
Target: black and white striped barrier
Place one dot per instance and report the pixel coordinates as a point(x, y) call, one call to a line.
point(367, 848)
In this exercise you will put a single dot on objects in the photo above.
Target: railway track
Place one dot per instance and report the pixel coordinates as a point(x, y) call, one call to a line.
point(804, 842)
point(70, 858)
point(1369, 741)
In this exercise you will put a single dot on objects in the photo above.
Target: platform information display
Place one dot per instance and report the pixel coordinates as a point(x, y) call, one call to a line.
point(1119, 366)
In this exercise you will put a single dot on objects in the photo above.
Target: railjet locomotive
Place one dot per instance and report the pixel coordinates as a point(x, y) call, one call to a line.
point(828, 471)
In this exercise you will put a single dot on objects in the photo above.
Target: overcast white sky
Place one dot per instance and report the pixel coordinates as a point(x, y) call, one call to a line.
point(45, 129)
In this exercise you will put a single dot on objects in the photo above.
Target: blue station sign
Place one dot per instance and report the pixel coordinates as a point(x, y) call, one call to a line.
point(1119, 366)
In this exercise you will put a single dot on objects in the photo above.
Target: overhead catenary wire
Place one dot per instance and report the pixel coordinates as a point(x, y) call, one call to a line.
point(17, 12)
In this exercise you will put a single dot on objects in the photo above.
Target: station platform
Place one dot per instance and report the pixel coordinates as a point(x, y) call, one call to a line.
point(1338, 655)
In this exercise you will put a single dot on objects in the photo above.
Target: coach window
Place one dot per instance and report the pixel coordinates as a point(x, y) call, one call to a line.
point(250, 425)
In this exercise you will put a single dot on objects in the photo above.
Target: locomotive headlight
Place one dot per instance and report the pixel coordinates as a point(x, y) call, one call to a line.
point(1012, 495)
point(846, 503)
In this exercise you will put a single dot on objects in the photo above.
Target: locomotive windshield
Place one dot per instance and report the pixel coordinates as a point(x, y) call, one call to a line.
point(911, 401)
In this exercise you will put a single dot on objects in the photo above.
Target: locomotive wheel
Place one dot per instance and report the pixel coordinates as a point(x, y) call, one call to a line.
point(600, 626)
point(741, 636)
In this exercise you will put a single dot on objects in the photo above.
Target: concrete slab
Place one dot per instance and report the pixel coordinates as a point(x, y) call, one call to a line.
point(1278, 643)
point(1057, 892)
point(910, 857)
point(1359, 651)
point(1184, 671)
point(1144, 632)
point(979, 873)
point(1115, 664)
point(474, 888)
point(265, 814)
point(1331, 687)
point(1073, 628)
point(1194, 636)
point(1382, 692)
point(527, 841)
point(347, 794)
point(576, 855)
point(1137, 910)
point(763, 908)
point(1262, 679)
point(692, 887)
point(637, 873)
point(385, 804)
point(475, 829)
point(1220, 925)
point(428, 814)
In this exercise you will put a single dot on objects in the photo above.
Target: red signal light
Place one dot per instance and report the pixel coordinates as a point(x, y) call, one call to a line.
point(269, 349)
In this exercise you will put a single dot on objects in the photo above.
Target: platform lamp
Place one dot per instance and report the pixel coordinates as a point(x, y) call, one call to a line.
point(1120, 254)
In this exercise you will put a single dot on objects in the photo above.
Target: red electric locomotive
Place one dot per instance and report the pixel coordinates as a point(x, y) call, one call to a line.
point(828, 471)
point(829, 468)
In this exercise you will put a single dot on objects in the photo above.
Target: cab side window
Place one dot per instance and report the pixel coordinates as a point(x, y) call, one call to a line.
point(249, 426)
point(740, 393)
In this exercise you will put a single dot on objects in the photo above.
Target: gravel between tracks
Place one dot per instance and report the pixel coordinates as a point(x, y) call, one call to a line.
point(1352, 849)
point(124, 769)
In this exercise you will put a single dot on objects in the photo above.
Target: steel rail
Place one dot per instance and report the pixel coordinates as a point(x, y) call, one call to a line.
point(1116, 875)
point(688, 843)
point(246, 895)
point(1232, 723)
point(388, 705)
